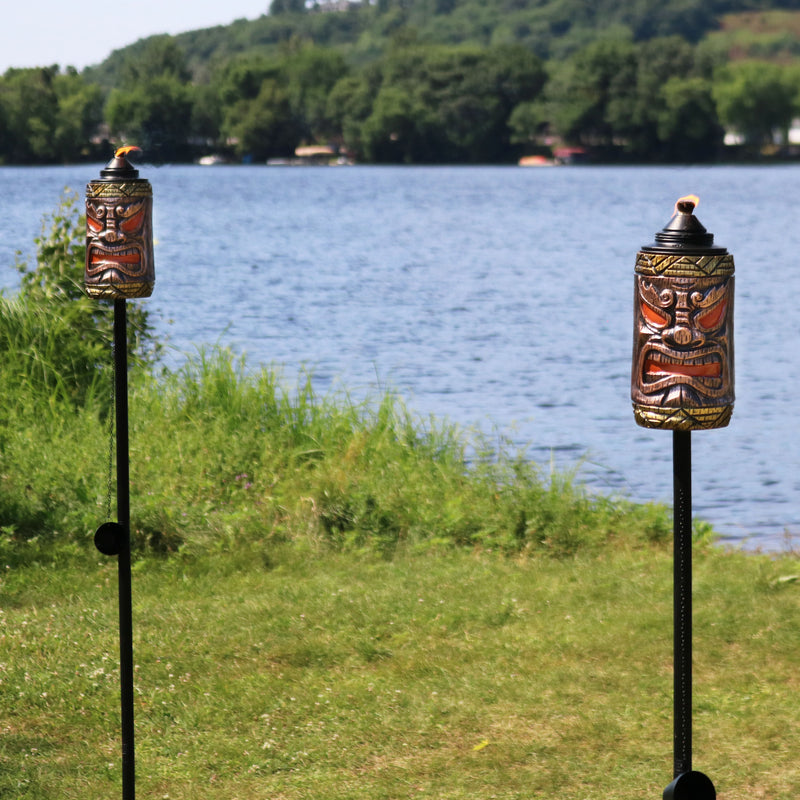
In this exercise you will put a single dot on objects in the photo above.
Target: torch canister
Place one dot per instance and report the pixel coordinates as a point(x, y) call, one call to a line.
point(682, 375)
point(119, 232)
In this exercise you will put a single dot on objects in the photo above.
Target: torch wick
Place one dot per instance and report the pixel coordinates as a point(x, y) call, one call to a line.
point(685, 206)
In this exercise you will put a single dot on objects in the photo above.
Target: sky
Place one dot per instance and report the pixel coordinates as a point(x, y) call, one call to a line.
point(80, 33)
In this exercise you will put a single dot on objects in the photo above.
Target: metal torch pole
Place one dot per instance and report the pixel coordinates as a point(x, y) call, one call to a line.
point(124, 557)
point(682, 531)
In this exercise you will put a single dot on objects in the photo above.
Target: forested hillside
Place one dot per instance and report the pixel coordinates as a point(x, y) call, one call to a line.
point(548, 28)
point(431, 81)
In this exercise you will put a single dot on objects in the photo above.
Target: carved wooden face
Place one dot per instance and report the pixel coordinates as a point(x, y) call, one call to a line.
point(683, 342)
point(119, 244)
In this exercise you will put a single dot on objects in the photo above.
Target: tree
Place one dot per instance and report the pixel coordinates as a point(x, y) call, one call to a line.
point(650, 19)
point(46, 116)
point(255, 107)
point(152, 107)
point(449, 104)
point(30, 110)
point(686, 121)
point(461, 90)
point(80, 111)
point(528, 122)
point(349, 104)
point(207, 116)
point(519, 78)
point(155, 57)
point(399, 129)
point(264, 127)
point(672, 116)
point(310, 74)
point(756, 99)
point(241, 78)
point(590, 96)
point(657, 62)
point(156, 116)
point(277, 7)
point(649, 101)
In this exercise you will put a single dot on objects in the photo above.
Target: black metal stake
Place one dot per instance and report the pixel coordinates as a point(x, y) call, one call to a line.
point(687, 784)
point(682, 612)
point(124, 557)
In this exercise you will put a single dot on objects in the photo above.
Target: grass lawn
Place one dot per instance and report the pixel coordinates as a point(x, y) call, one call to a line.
point(455, 674)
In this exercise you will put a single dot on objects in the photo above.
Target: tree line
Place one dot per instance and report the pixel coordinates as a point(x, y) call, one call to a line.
point(660, 100)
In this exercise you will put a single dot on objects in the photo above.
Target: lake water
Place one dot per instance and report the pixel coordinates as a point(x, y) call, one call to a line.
point(494, 297)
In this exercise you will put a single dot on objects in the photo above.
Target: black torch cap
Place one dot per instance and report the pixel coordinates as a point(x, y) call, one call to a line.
point(684, 233)
point(119, 168)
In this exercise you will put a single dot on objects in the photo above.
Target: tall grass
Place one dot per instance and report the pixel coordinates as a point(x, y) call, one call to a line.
point(241, 456)
point(222, 456)
point(42, 358)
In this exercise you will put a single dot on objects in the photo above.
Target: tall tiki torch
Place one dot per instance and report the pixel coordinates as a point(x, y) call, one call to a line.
point(119, 265)
point(682, 380)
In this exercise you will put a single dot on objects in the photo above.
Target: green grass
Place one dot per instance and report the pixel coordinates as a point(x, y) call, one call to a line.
point(291, 673)
point(222, 455)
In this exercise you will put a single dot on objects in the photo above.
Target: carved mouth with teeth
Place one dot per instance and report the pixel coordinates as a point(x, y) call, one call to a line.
point(702, 370)
point(125, 260)
point(659, 366)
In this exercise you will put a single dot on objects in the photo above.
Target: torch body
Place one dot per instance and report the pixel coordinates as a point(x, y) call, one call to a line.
point(119, 233)
point(683, 370)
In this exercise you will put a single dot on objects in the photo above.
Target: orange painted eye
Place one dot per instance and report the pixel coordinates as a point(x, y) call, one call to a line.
point(133, 223)
point(94, 224)
point(652, 316)
point(712, 318)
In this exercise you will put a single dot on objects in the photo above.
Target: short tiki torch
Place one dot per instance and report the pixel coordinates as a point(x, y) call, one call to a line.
point(682, 380)
point(119, 266)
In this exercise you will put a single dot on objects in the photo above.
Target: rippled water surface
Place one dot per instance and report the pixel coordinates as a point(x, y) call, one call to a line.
point(494, 297)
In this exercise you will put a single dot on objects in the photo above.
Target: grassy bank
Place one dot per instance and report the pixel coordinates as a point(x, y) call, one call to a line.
point(222, 456)
point(300, 674)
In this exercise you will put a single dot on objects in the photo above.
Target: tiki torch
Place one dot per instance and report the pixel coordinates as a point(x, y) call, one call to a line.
point(119, 265)
point(682, 380)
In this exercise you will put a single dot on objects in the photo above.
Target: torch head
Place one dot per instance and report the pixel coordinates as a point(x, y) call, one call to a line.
point(682, 373)
point(119, 232)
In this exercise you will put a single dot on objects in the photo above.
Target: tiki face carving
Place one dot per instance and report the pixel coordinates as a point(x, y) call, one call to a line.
point(119, 232)
point(118, 236)
point(683, 334)
point(682, 375)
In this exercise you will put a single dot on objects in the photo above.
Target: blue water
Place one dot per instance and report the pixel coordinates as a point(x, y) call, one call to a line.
point(497, 298)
